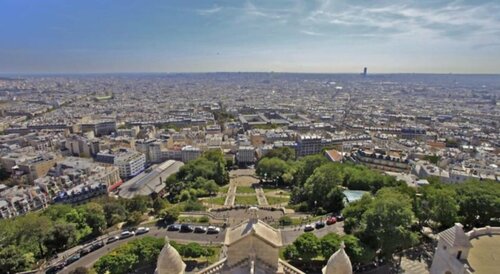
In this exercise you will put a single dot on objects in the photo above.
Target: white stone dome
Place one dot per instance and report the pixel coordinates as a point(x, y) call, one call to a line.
point(169, 261)
point(339, 263)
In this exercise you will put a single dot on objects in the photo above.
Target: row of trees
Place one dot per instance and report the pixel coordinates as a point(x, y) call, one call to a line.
point(193, 250)
point(198, 178)
point(34, 236)
point(39, 235)
point(384, 221)
point(316, 183)
point(308, 247)
point(390, 219)
point(473, 203)
point(130, 256)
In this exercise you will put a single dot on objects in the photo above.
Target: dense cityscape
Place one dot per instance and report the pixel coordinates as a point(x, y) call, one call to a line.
point(314, 164)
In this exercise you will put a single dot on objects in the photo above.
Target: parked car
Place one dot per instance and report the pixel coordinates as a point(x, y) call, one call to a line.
point(339, 218)
point(112, 239)
point(126, 234)
point(174, 227)
point(331, 220)
point(213, 230)
point(55, 268)
point(200, 229)
point(97, 245)
point(141, 230)
point(86, 250)
point(187, 228)
point(308, 228)
point(72, 259)
point(319, 224)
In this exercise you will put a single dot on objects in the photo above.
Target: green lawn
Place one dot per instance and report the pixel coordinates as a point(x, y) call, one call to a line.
point(245, 189)
point(246, 200)
point(273, 200)
point(216, 200)
point(268, 189)
point(224, 189)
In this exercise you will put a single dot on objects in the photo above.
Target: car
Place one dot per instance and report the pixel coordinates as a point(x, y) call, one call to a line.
point(213, 230)
point(200, 229)
point(97, 245)
point(331, 220)
point(55, 268)
point(339, 218)
point(174, 227)
point(112, 239)
point(319, 224)
point(72, 259)
point(86, 250)
point(186, 228)
point(141, 230)
point(308, 228)
point(126, 234)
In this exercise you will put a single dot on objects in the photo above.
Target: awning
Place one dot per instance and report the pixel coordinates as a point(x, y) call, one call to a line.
point(115, 185)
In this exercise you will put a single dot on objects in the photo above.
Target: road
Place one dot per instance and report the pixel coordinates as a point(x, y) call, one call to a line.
point(89, 259)
point(288, 235)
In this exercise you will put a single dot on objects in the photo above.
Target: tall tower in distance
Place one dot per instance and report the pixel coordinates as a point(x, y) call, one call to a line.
point(365, 71)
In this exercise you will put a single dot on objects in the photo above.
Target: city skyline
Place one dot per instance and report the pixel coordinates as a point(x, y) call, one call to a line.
point(282, 36)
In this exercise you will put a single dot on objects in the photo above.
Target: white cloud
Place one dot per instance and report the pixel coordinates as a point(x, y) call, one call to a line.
point(454, 20)
point(213, 10)
point(312, 33)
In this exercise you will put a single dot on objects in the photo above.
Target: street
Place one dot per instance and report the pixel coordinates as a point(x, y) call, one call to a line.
point(288, 236)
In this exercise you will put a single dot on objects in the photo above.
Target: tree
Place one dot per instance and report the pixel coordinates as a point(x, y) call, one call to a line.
point(271, 168)
point(127, 257)
point(61, 237)
point(387, 221)
point(33, 230)
point(354, 212)
point(80, 270)
point(12, 260)
point(285, 220)
point(147, 249)
point(114, 213)
point(307, 246)
point(57, 211)
point(291, 252)
point(356, 250)
point(193, 250)
point(170, 215)
point(138, 203)
point(323, 188)
point(283, 153)
point(306, 166)
point(329, 244)
point(159, 204)
point(479, 202)
point(94, 217)
point(443, 207)
point(116, 263)
point(135, 218)
point(211, 187)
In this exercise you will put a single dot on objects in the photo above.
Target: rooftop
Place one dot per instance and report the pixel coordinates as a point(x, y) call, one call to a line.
point(484, 257)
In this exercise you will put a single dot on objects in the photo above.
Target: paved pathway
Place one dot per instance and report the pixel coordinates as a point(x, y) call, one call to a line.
point(410, 266)
point(260, 195)
point(231, 195)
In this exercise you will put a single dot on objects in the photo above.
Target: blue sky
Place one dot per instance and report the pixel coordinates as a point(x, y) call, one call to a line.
point(441, 36)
